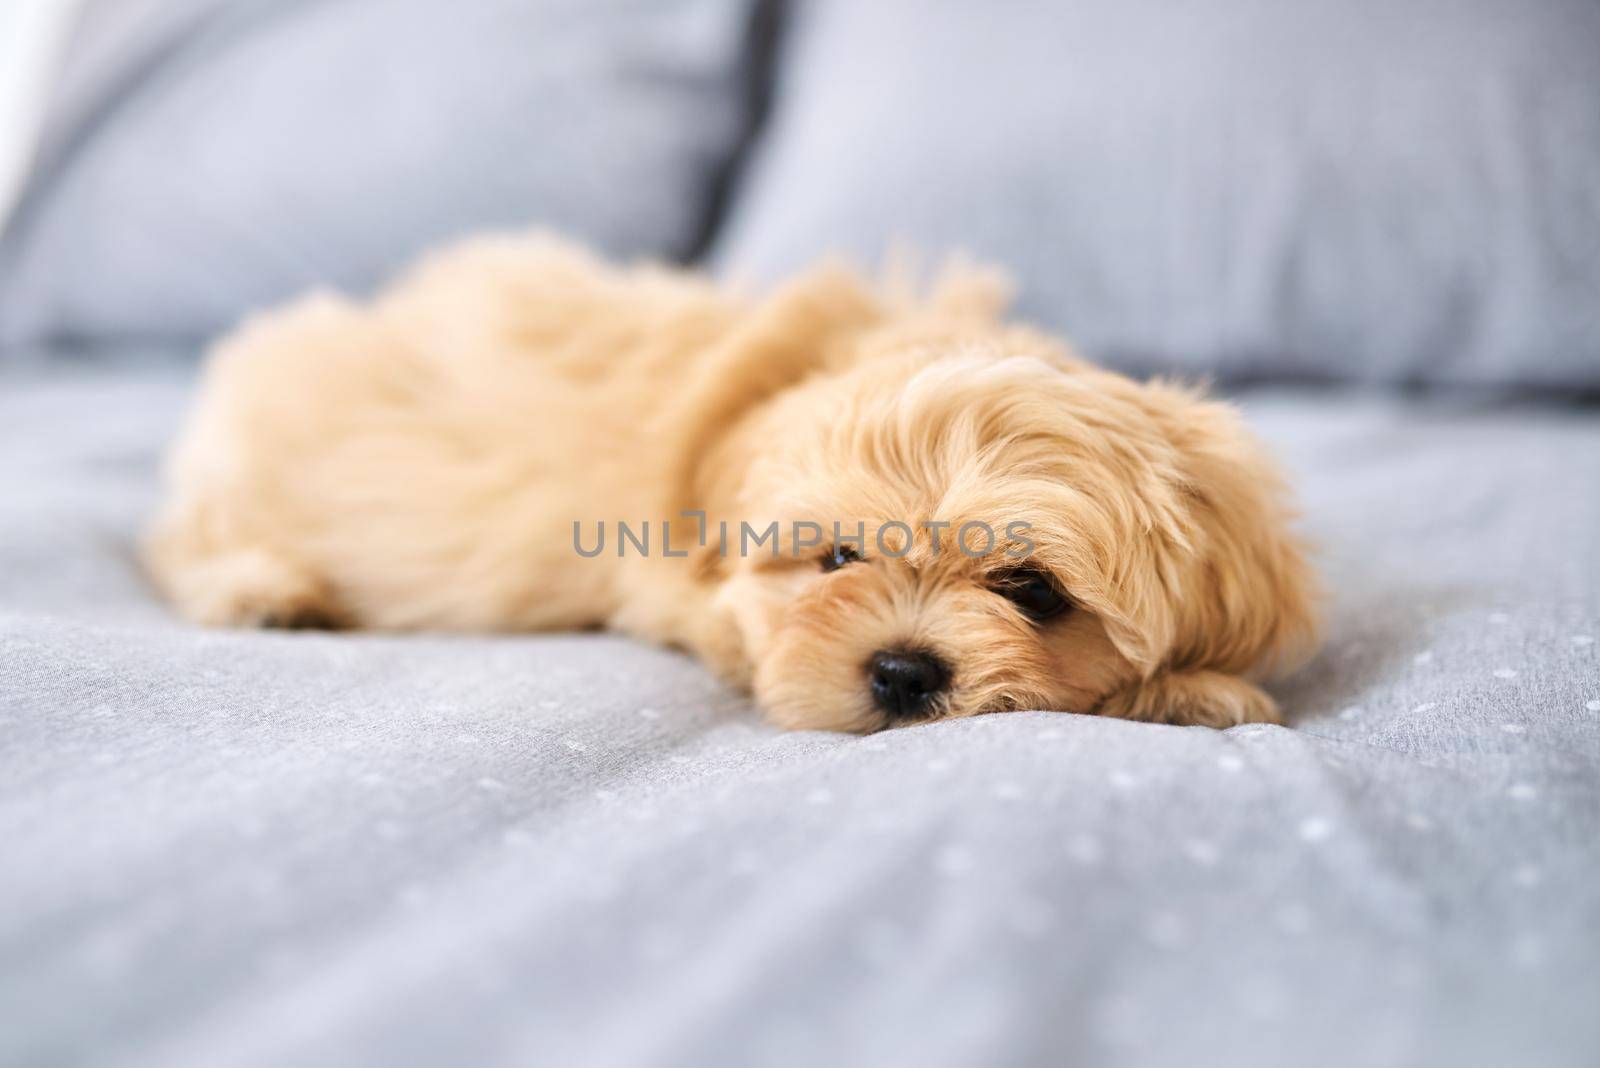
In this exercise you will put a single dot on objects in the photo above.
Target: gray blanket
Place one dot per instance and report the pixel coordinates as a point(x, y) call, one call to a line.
point(268, 848)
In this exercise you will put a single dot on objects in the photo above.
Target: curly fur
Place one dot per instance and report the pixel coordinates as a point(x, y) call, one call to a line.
point(419, 462)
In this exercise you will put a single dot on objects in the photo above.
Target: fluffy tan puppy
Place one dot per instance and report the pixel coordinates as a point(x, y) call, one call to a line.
point(450, 454)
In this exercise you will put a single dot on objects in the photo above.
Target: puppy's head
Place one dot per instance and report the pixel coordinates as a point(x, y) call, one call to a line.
point(978, 523)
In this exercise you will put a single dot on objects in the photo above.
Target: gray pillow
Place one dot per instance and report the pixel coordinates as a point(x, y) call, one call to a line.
point(1394, 191)
point(209, 156)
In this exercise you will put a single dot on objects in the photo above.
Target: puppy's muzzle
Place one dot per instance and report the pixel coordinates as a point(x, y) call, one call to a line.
point(905, 683)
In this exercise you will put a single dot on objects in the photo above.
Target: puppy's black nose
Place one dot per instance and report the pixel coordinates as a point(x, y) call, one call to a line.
point(905, 682)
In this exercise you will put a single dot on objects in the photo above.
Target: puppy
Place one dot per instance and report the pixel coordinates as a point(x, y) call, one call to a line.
point(951, 515)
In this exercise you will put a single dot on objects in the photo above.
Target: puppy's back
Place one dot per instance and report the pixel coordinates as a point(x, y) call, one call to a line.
point(418, 461)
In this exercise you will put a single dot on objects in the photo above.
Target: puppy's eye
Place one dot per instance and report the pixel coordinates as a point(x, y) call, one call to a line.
point(1033, 592)
point(839, 556)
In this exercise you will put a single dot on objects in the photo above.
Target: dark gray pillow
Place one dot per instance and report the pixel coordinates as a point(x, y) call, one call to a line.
point(1386, 190)
point(209, 156)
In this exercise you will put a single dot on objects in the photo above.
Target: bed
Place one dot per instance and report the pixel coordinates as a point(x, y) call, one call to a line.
point(264, 848)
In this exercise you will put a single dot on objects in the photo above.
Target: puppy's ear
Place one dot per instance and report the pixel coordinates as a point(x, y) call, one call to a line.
point(1193, 698)
point(805, 327)
point(1236, 594)
point(1247, 601)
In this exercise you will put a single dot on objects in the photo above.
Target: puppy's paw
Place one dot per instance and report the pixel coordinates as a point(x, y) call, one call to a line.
point(252, 588)
point(1194, 698)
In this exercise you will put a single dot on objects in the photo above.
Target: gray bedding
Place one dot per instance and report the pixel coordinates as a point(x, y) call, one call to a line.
point(1394, 191)
point(273, 848)
point(205, 157)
